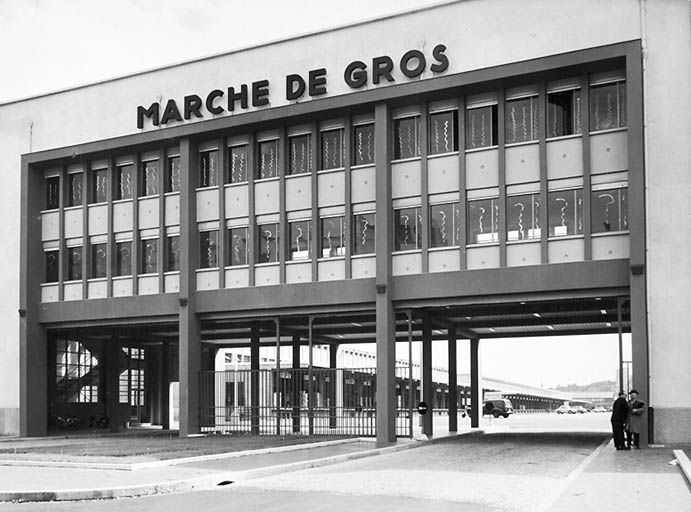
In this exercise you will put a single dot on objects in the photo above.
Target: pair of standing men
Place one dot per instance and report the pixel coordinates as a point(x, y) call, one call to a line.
point(627, 416)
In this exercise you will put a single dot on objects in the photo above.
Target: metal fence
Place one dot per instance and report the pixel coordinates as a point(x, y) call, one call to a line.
point(318, 401)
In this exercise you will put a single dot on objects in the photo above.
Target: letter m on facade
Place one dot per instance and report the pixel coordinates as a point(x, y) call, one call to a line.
point(152, 112)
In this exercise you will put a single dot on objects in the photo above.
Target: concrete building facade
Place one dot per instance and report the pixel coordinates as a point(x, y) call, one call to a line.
point(471, 170)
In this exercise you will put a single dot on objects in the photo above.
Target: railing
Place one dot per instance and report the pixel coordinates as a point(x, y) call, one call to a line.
point(295, 401)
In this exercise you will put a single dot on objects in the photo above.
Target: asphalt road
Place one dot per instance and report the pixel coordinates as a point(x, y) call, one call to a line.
point(516, 468)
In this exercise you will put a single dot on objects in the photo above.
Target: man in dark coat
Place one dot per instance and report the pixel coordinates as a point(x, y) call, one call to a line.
point(634, 425)
point(620, 412)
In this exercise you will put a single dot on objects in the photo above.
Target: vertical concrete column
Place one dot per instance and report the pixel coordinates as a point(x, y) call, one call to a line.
point(297, 383)
point(165, 386)
point(333, 353)
point(427, 387)
point(475, 383)
point(254, 380)
point(453, 382)
point(637, 235)
point(386, 320)
point(189, 326)
point(33, 339)
point(112, 370)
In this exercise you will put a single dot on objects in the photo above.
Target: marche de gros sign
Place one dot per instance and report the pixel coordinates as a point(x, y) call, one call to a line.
point(356, 75)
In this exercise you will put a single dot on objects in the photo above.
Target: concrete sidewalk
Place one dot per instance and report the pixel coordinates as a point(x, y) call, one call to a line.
point(36, 482)
point(640, 480)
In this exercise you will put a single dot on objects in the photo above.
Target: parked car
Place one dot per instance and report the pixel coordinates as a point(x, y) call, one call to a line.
point(565, 409)
point(599, 408)
point(500, 407)
point(580, 409)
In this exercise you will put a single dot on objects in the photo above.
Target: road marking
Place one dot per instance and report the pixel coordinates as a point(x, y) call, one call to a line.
point(563, 487)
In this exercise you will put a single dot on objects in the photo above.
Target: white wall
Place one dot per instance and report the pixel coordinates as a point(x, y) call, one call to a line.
point(668, 129)
point(477, 33)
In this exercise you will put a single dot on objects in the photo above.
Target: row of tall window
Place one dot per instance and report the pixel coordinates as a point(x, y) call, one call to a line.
point(563, 118)
point(564, 217)
point(607, 110)
point(211, 171)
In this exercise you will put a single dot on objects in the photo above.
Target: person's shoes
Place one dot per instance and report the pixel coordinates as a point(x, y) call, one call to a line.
point(618, 448)
point(626, 448)
point(637, 447)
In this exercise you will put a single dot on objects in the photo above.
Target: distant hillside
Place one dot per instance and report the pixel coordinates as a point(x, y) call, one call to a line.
point(601, 385)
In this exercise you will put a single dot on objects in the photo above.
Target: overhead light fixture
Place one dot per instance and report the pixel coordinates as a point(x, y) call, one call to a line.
point(550, 327)
point(356, 324)
point(491, 329)
point(609, 324)
point(437, 331)
point(603, 311)
point(537, 315)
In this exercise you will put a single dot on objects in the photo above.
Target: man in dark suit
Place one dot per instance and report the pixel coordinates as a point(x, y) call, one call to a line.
point(620, 411)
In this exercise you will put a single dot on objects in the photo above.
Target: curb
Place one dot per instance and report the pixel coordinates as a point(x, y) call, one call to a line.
point(209, 481)
point(135, 466)
point(684, 464)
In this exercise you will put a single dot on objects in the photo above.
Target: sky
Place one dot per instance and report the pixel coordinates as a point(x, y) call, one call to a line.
point(48, 45)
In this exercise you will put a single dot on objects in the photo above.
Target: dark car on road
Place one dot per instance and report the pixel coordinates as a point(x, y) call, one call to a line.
point(500, 407)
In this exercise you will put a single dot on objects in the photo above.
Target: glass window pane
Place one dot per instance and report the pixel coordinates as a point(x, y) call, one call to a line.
point(563, 113)
point(565, 212)
point(98, 260)
point(609, 210)
point(52, 192)
point(123, 259)
point(74, 263)
point(483, 221)
point(332, 149)
point(521, 120)
point(621, 89)
point(363, 144)
point(149, 256)
point(408, 229)
point(332, 237)
point(99, 186)
point(300, 239)
point(363, 233)
point(607, 106)
point(172, 253)
point(237, 240)
point(76, 185)
point(208, 245)
point(406, 137)
point(300, 154)
point(523, 217)
point(267, 243)
point(173, 174)
point(124, 176)
point(481, 127)
point(443, 137)
point(443, 225)
point(267, 165)
point(149, 178)
point(52, 259)
point(238, 164)
point(208, 169)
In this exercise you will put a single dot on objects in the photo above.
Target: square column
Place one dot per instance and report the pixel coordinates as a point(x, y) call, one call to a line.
point(427, 387)
point(189, 360)
point(453, 382)
point(333, 353)
point(33, 339)
point(112, 371)
point(254, 381)
point(475, 384)
point(297, 383)
point(386, 317)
